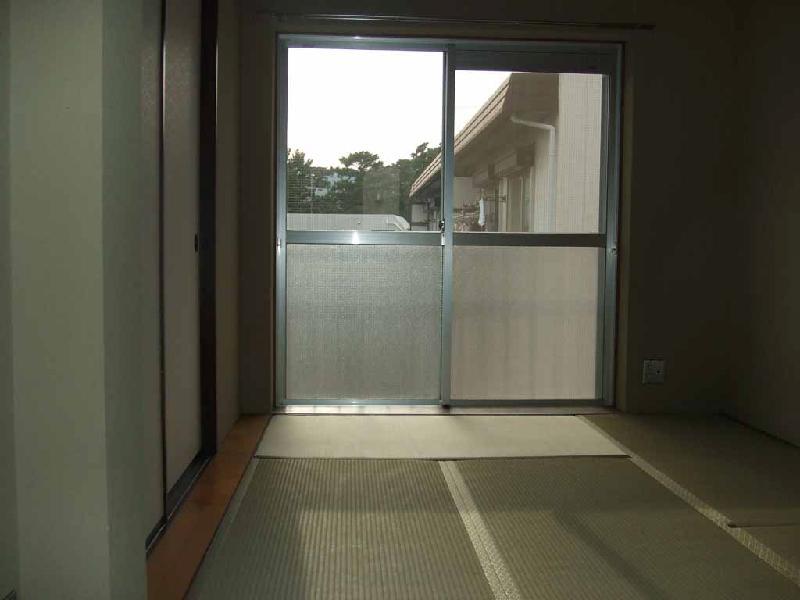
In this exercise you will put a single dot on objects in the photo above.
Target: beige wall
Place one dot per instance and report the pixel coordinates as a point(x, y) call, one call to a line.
point(8, 490)
point(77, 223)
point(676, 273)
point(765, 379)
point(256, 248)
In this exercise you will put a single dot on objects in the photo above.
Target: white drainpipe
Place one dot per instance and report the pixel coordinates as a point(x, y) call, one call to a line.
point(552, 157)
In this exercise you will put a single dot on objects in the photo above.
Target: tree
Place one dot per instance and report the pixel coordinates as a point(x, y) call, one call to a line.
point(381, 190)
point(410, 169)
point(347, 190)
point(361, 184)
point(362, 161)
point(299, 182)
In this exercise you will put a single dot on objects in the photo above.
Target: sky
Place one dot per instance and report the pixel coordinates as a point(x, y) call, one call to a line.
point(386, 102)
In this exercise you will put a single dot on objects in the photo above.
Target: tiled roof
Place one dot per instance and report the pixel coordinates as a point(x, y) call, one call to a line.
point(487, 114)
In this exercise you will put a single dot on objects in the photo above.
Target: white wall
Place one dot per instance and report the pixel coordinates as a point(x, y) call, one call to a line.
point(765, 379)
point(8, 491)
point(126, 227)
point(77, 225)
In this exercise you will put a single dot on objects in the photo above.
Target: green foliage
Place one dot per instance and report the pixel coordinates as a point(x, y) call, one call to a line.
point(362, 161)
point(299, 182)
point(410, 169)
point(362, 184)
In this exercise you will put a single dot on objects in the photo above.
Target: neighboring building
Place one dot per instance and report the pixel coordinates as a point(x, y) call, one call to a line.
point(323, 179)
point(527, 161)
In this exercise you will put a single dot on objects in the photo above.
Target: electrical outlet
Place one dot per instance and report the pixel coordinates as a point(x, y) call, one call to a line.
point(653, 370)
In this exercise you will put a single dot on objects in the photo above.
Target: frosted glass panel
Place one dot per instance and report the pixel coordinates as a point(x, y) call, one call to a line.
point(525, 323)
point(363, 322)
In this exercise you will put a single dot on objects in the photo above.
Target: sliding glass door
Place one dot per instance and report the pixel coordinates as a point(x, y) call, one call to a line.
point(446, 222)
point(362, 264)
point(530, 236)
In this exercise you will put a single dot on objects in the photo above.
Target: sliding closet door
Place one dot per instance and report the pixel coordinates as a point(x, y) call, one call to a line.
point(180, 257)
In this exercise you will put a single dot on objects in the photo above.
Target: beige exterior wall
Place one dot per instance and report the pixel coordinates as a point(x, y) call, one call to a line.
point(575, 206)
point(575, 158)
point(579, 128)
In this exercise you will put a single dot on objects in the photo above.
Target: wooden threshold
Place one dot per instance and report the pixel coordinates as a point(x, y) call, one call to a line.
point(176, 557)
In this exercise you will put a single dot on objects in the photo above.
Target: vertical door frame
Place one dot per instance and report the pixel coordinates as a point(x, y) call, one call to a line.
point(207, 236)
point(281, 246)
point(448, 182)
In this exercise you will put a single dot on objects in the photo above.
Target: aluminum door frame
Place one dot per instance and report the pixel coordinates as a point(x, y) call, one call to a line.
point(544, 56)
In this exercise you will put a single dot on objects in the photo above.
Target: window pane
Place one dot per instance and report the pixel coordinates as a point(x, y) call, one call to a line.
point(525, 323)
point(362, 125)
point(527, 152)
point(363, 322)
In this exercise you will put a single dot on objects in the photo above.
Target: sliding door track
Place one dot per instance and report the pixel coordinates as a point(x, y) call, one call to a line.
point(416, 409)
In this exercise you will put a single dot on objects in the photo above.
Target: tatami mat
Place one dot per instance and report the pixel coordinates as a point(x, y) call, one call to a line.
point(783, 539)
point(349, 529)
point(580, 520)
point(544, 528)
point(748, 476)
point(599, 528)
point(431, 437)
